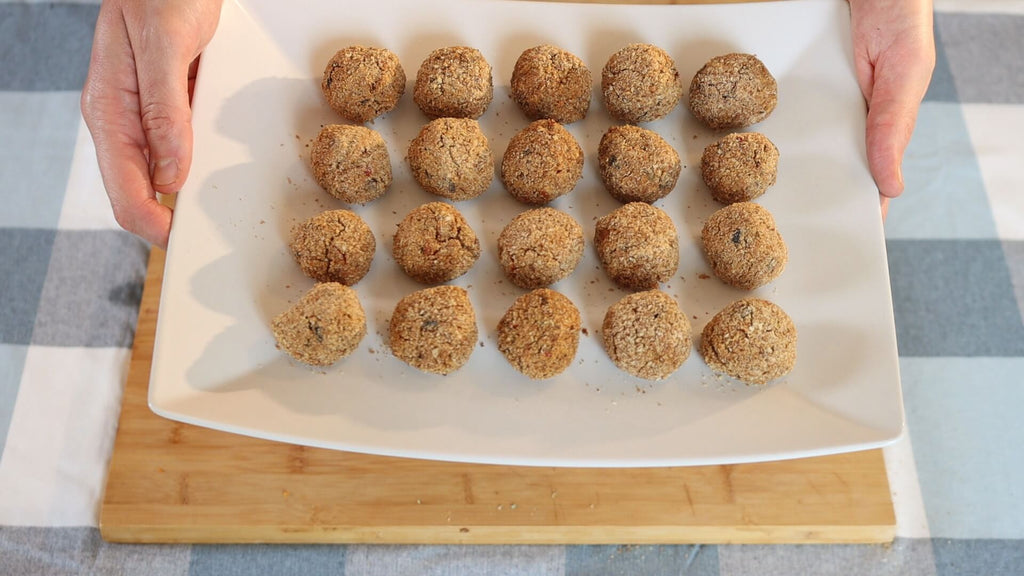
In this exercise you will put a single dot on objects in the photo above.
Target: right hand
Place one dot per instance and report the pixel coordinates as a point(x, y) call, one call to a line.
point(136, 103)
point(894, 53)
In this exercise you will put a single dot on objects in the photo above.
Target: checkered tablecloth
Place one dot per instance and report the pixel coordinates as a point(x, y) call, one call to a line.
point(70, 284)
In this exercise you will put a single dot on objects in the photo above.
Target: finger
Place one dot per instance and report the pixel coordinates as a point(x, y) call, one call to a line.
point(110, 107)
point(884, 204)
point(899, 87)
point(142, 215)
point(164, 107)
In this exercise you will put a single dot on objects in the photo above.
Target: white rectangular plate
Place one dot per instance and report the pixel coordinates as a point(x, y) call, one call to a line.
point(229, 271)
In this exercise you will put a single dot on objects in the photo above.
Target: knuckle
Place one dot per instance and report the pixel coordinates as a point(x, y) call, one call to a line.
point(85, 104)
point(88, 104)
point(125, 217)
point(159, 120)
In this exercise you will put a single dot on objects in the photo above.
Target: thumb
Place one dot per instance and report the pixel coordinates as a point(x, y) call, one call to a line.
point(890, 124)
point(165, 113)
point(900, 81)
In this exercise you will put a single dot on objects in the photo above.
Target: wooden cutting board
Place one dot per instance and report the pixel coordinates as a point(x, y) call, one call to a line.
point(171, 482)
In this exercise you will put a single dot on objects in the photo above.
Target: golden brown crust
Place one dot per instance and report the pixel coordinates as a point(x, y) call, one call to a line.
point(637, 245)
point(743, 246)
point(351, 163)
point(361, 83)
point(739, 167)
point(539, 333)
point(324, 326)
point(542, 162)
point(451, 158)
point(640, 83)
point(540, 247)
point(455, 82)
point(334, 246)
point(733, 91)
point(752, 340)
point(548, 82)
point(435, 244)
point(434, 329)
point(647, 335)
point(636, 164)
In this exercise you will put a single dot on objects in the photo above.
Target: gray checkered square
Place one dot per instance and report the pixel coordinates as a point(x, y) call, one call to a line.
point(92, 291)
point(1015, 261)
point(905, 557)
point(984, 55)
point(45, 46)
point(648, 560)
point(64, 551)
point(24, 258)
point(389, 560)
point(267, 560)
point(974, 557)
point(954, 298)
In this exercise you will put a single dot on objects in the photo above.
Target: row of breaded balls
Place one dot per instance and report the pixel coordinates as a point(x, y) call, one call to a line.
point(645, 334)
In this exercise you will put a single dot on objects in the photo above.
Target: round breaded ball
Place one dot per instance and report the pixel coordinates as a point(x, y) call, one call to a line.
point(324, 326)
point(351, 163)
point(752, 340)
point(540, 247)
point(542, 162)
point(636, 164)
point(743, 246)
point(638, 246)
point(548, 82)
point(739, 167)
point(646, 334)
point(435, 244)
point(455, 82)
point(640, 83)
point(733, 91)
point(539, 333)
point(434, 329)
point(334, 246)
point(361, 83)
point(451, 158)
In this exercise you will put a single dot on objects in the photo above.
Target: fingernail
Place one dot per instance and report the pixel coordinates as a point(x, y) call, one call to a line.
point(165, 171)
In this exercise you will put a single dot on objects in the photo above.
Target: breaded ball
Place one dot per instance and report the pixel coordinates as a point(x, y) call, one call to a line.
point(334, 246)
point(454, 82)
point(435, 244)
point(324, 326)
point(733, 91)
point(539, 333)
point(638, 246)
point(548, 82)
point(752, 340)
point(640, 83)
point(362, 83)
point(647, 334)
point(351, 163)
point(739, 167)
point(540, 247)
point(434, 329)
point(451, 158)
point(743, 246)
point(636, 164)
point(542, 162)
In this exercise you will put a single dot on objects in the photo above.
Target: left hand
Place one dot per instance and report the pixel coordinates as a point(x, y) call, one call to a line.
point(894, 54)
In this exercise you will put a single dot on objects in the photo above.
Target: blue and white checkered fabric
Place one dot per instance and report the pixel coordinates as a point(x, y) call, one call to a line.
point(70, 284)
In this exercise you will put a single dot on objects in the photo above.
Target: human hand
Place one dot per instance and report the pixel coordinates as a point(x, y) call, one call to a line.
point(894, 54)
point(136, 103)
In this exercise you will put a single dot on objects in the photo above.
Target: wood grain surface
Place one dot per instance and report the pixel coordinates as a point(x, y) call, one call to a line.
point(172, 482)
